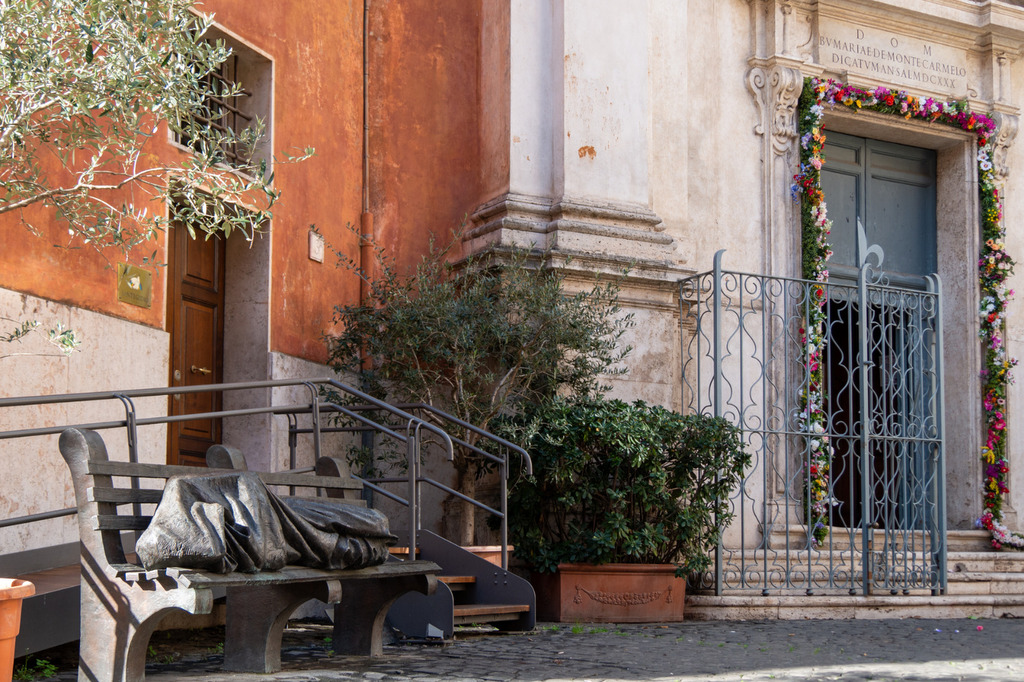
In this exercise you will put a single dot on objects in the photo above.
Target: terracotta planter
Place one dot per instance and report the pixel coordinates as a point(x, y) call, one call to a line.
point(612, 593)
point(12, 591)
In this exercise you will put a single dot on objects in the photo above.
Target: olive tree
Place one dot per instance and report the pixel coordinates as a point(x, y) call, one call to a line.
point(60, 337)
point(85, 85)
point(479, 338)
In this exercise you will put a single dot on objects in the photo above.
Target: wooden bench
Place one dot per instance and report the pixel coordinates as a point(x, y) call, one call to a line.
point(122, 603)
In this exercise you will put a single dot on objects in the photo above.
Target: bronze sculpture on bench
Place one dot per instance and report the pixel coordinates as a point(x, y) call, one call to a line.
point(122, 603)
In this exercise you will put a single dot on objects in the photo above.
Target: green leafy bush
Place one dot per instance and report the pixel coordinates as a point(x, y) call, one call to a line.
point(624, 483)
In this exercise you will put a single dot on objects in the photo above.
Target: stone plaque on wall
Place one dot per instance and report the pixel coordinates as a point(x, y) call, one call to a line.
point(886, 57)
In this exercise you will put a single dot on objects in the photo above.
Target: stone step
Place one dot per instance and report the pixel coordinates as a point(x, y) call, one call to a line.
point(795, 536)
point(985, 583)
point(968, 541)
point(754, 559)
point(841, 539)
point(969, 573)
point(828, 607)
point(986, 562)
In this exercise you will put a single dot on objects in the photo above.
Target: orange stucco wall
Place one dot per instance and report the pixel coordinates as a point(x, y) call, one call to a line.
point(317, 53)
point(425, 117)
point(425, 156)
point(48, 263)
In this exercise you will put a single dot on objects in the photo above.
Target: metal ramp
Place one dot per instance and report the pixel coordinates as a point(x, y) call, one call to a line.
point(471, 590)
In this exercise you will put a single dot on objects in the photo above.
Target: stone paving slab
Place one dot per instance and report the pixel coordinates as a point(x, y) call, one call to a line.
point(848, 650)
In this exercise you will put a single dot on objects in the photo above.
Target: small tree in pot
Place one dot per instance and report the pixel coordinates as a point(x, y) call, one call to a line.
point(479, 338)
point(622, 483)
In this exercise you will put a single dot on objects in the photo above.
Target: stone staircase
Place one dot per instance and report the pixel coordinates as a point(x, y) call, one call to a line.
point(981, 582)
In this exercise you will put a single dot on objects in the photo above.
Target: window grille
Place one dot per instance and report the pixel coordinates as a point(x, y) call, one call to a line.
point(222, 111)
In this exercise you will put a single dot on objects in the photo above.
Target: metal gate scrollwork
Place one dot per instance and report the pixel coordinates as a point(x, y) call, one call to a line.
point(837, 386)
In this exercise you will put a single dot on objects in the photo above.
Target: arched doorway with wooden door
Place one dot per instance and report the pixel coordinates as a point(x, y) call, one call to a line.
point(195, 319)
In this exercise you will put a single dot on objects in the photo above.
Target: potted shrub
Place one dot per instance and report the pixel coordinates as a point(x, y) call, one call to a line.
point(625, 501)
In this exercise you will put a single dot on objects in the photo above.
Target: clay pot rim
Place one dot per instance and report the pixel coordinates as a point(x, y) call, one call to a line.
point(14, 588)
point(617, 568)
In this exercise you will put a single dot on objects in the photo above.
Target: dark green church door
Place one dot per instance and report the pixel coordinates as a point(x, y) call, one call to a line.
point(890, 189)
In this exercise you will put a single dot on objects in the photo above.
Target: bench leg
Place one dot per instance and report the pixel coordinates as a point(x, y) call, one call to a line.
point(117, 621)
point(257, 616)
point(359, 618)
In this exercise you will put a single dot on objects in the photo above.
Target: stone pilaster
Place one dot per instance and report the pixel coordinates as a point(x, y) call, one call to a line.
point(784, 32)
point(579, 178)
point(776, 85)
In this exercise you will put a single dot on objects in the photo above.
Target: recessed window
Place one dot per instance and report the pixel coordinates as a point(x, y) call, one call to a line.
point(237, 109)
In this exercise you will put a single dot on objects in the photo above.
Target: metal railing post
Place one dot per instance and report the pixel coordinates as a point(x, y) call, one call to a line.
point(504, 508)
point(412, 446)
point(314, 411)
point(716, 302)
point(293, 440)
point(132, 434)
point(935, 284)
point(864, 380)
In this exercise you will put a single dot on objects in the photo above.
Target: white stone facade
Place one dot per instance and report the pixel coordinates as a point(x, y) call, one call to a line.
point(657, 132)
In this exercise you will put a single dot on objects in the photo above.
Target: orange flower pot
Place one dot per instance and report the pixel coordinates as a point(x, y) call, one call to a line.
point(12, 591)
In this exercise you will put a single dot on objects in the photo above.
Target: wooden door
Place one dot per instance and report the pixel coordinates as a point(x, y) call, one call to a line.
point(195, 313)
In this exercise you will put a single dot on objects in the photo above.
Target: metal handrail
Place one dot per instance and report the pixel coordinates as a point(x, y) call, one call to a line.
point(128, 397)
point(413, 477)
point(412, 425)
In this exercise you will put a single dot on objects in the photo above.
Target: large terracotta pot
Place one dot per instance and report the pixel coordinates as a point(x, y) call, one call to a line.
point(12, 591)
point(612, 593)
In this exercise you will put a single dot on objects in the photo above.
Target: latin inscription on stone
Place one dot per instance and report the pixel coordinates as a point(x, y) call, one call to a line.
point(898, 59)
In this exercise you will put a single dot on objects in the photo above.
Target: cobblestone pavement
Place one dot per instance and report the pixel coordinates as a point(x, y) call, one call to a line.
point(851, 650)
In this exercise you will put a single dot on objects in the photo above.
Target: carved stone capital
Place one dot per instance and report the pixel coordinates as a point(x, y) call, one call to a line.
point(776, 88)
point(1006, 133)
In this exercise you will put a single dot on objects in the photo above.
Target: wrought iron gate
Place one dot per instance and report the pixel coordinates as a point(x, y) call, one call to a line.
point(838, 389)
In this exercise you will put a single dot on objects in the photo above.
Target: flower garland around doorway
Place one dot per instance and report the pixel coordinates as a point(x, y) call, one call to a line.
point(994, 266)
point(815, 229)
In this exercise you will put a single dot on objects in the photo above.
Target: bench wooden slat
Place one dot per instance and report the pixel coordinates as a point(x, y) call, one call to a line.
point(148, 470)
point(116, 522)
point(293, 574)
point(143, 469)
point(309, 481)
point(123, 569)
point(125, 495)
point(289, 574)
